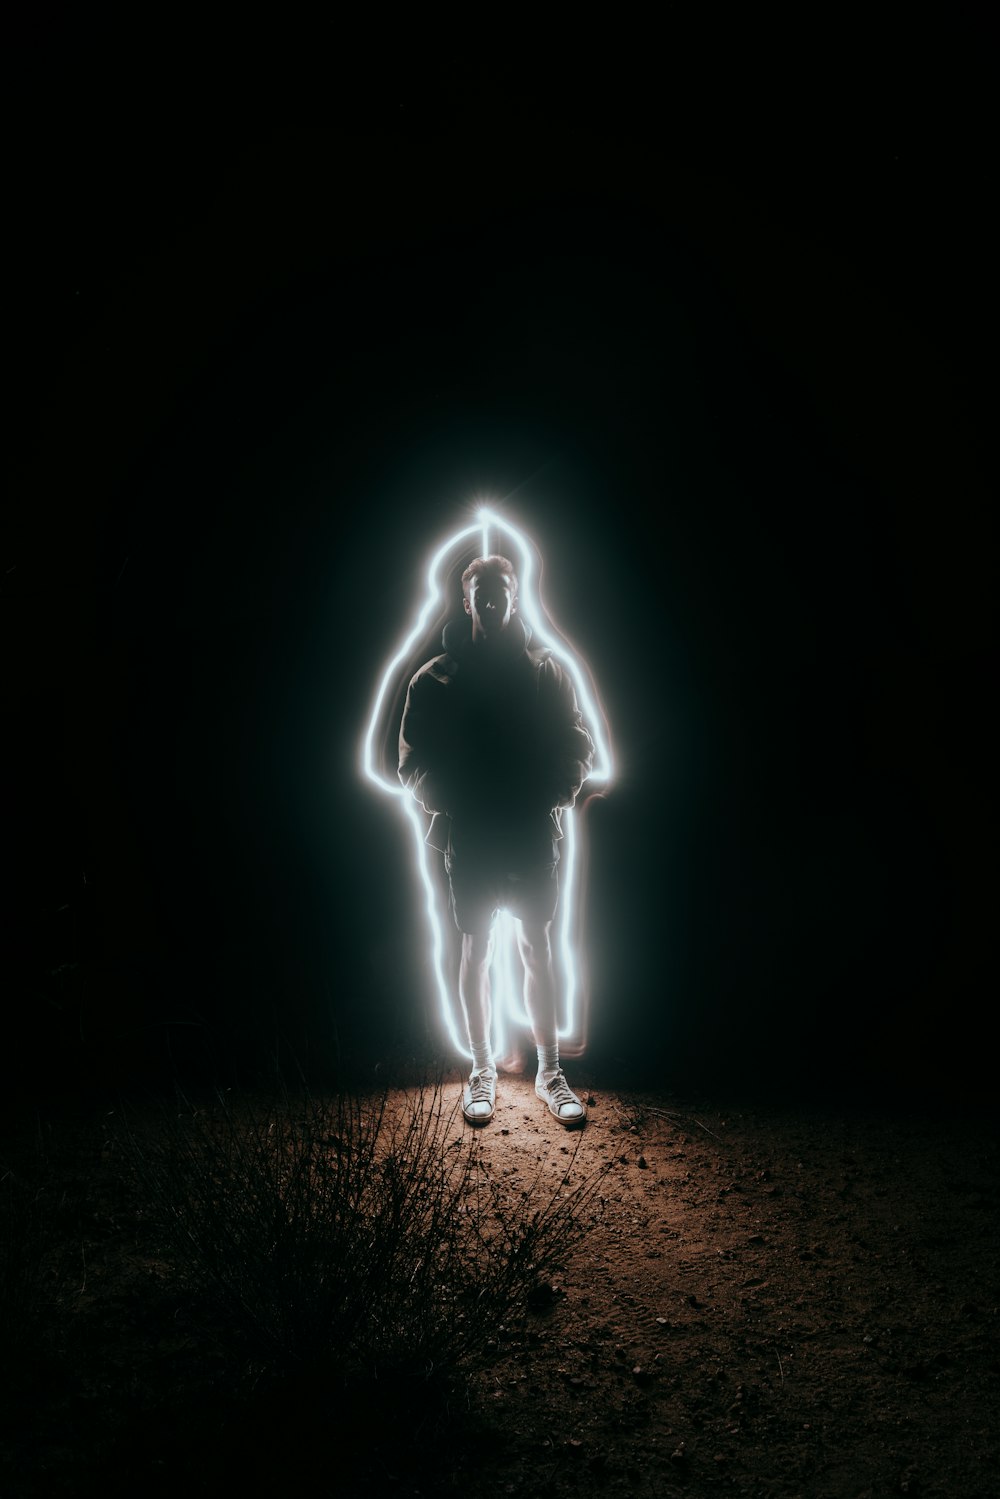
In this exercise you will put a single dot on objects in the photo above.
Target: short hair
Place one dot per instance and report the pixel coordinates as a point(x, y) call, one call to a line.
point(493, 564)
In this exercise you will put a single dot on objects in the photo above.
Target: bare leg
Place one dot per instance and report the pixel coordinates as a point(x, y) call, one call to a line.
point(474, 985)
point(535, 946)
point(474, 990)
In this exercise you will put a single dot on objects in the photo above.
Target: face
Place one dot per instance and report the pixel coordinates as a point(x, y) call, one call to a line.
point(491, 605)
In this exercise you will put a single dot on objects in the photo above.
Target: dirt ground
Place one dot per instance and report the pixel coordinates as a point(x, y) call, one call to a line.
point(770, 1303)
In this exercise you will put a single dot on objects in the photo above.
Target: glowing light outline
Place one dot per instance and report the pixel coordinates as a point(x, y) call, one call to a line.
point(506, 1007)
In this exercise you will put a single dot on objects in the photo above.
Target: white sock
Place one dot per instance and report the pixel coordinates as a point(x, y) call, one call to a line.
point(482, 1057)
point(548, 1059)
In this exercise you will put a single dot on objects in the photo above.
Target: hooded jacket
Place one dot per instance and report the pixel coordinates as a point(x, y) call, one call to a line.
point(492, 742)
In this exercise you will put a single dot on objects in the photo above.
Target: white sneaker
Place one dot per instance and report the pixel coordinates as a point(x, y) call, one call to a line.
point(562, 1101)
point(480, 1096)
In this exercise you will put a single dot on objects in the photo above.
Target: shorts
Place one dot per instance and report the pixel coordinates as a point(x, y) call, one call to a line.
point(479, 889)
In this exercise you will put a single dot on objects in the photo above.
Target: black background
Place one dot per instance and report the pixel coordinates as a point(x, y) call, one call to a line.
point(734, 384)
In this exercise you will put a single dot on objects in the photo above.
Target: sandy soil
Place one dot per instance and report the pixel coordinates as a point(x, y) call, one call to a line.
point(769, 1303)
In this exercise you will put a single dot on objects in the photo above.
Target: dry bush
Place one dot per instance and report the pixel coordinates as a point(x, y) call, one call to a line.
point(358, 1237)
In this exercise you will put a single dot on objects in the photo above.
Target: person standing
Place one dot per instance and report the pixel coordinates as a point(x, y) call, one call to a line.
point(493, 745)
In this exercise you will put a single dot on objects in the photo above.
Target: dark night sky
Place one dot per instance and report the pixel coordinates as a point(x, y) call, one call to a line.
point(741, 398)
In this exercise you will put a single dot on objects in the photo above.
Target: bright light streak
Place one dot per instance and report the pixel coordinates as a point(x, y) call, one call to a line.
point(508, 1008)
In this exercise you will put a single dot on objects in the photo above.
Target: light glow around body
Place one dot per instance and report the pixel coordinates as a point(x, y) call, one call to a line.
point(492, 533)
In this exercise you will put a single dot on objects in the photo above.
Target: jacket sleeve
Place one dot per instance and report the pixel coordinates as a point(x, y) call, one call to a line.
point(573, 747)
point(420, 770)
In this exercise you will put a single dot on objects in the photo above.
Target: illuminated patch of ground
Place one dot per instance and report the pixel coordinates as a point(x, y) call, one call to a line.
point(768, 1304)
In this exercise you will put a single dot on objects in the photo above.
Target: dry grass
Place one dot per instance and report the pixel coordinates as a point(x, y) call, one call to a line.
point(346, 1236)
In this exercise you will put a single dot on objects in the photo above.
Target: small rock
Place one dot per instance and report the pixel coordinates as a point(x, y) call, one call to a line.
point(542, 1296)
point(642, 1163)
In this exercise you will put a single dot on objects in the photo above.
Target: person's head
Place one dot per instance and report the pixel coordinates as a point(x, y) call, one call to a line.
point(489, 589)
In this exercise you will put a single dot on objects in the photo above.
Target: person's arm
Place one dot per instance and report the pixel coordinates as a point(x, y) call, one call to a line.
point(420, 770)
point(572, 745)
